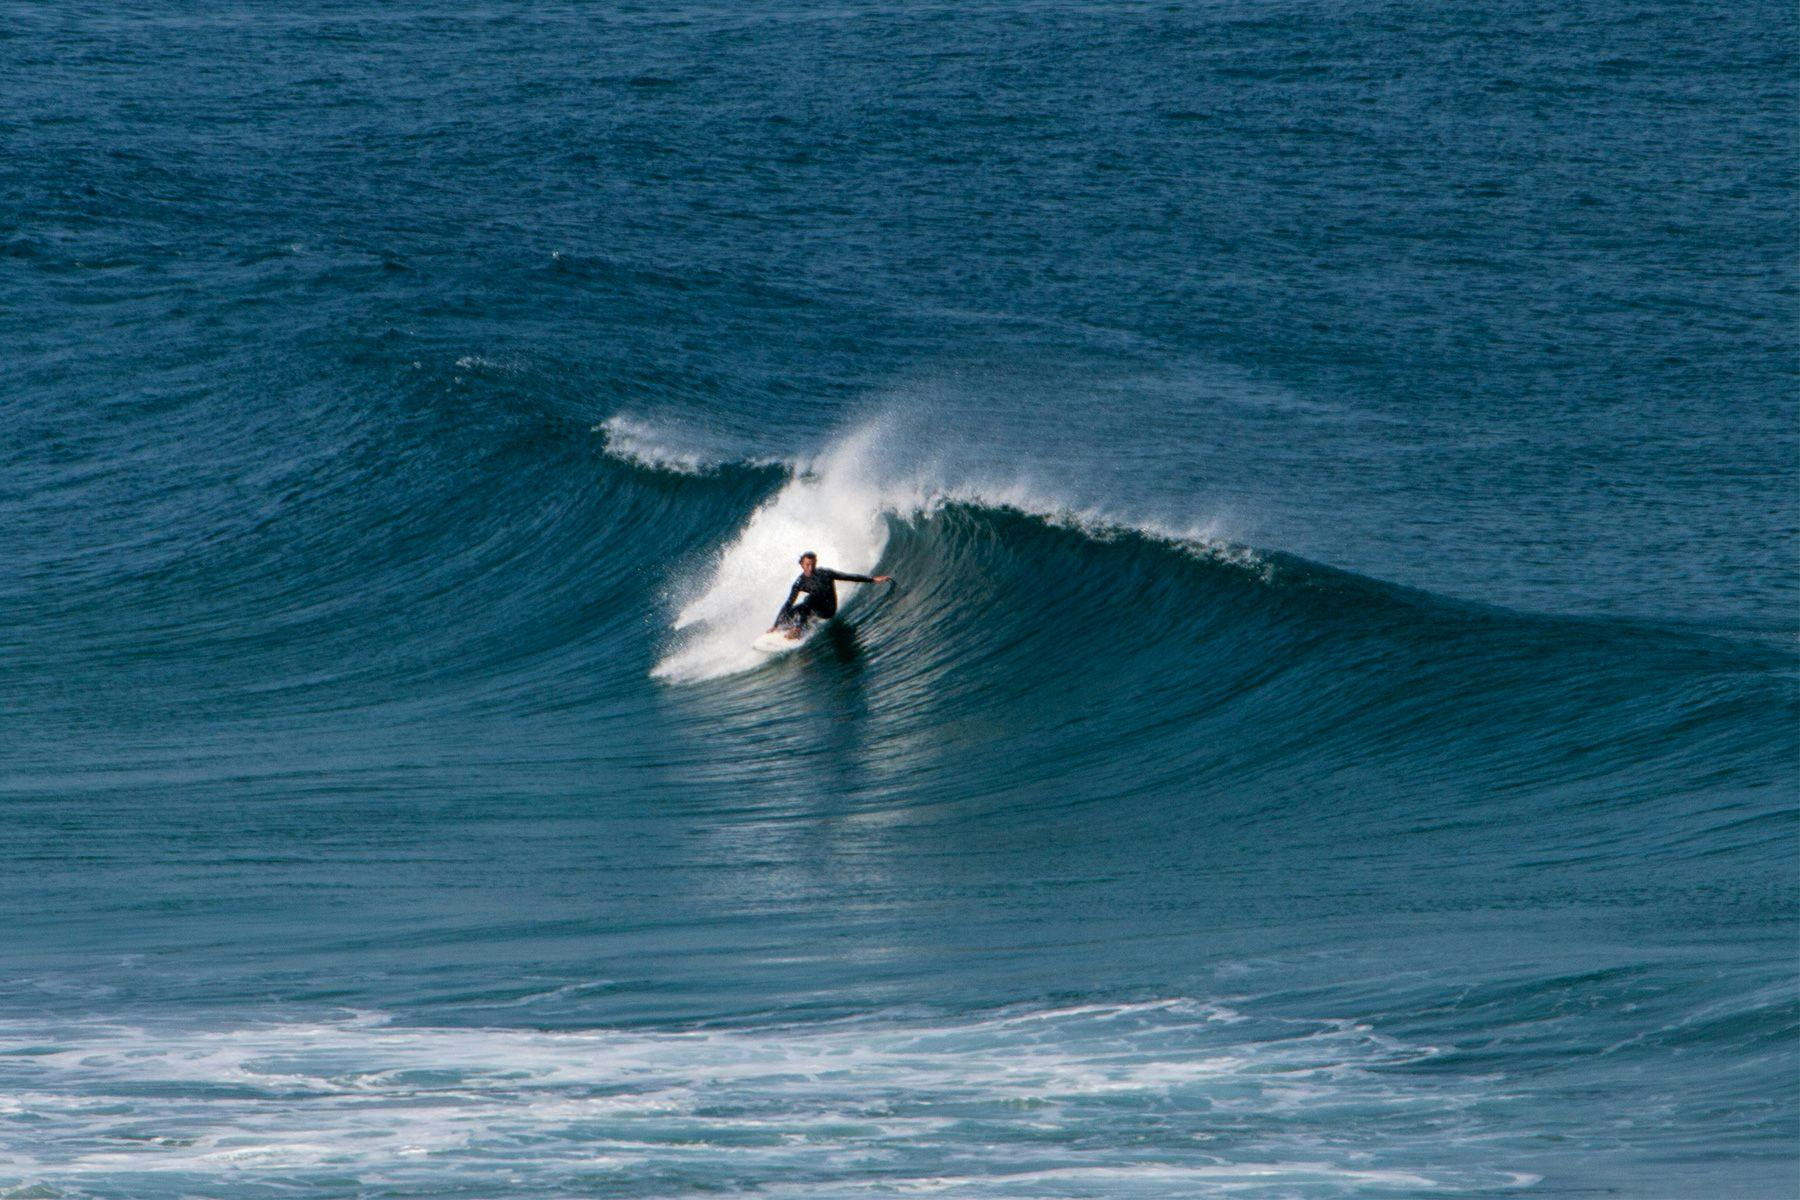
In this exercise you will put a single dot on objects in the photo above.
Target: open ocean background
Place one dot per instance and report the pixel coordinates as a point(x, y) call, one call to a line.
point(1336, 733)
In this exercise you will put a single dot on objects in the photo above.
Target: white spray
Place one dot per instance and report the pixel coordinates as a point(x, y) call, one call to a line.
point(835, 506)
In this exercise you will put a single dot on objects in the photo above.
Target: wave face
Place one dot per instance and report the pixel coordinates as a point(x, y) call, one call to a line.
point(1332, 733)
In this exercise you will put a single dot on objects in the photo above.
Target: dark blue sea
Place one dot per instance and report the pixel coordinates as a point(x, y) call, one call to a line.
point(1334, 730)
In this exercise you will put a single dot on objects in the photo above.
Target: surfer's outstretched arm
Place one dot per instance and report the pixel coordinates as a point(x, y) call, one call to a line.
point(846, 577)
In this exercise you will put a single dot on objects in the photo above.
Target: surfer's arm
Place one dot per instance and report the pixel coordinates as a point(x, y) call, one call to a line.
point(846, 577)
point(787, 605)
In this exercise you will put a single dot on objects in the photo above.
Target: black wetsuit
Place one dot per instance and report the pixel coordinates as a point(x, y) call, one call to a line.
point(819, 598)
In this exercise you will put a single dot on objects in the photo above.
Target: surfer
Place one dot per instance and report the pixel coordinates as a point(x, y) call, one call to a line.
point(816, 590)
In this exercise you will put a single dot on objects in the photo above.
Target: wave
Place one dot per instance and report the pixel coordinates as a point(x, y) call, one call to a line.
point(1058, 626)
point(844, 505)
point(522, 562)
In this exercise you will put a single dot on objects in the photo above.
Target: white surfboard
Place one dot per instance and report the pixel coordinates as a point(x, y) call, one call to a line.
point(777, 641)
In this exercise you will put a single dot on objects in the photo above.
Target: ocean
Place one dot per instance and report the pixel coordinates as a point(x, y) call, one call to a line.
point(1334, 730)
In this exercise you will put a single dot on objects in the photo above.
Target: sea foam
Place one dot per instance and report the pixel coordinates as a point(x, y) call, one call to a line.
point(1203, 1099)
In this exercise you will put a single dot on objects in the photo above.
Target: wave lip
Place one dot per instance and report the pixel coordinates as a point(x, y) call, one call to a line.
point(641, 445)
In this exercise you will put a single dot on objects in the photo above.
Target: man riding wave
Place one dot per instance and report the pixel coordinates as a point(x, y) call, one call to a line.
point(814, 595)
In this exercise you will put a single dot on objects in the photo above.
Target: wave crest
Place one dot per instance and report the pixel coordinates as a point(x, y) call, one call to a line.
point(840, 506)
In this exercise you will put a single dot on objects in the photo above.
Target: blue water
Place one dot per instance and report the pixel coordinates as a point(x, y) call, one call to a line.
point(1334, 733)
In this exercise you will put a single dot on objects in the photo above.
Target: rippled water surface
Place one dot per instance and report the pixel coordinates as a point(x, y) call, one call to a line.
point(1332, 733)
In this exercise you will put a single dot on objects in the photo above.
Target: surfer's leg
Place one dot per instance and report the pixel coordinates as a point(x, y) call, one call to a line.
point(798, 616)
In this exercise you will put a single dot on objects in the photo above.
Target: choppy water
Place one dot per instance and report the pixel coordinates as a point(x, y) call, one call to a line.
point(1334, 733)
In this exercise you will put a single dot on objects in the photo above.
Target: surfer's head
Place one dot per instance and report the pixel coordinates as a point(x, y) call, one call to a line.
point(808, 561)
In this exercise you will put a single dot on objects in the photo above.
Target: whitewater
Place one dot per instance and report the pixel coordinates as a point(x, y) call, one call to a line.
point(802, 1106)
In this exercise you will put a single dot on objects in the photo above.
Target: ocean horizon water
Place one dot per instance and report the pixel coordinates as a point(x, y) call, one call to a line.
point(1333, 732)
